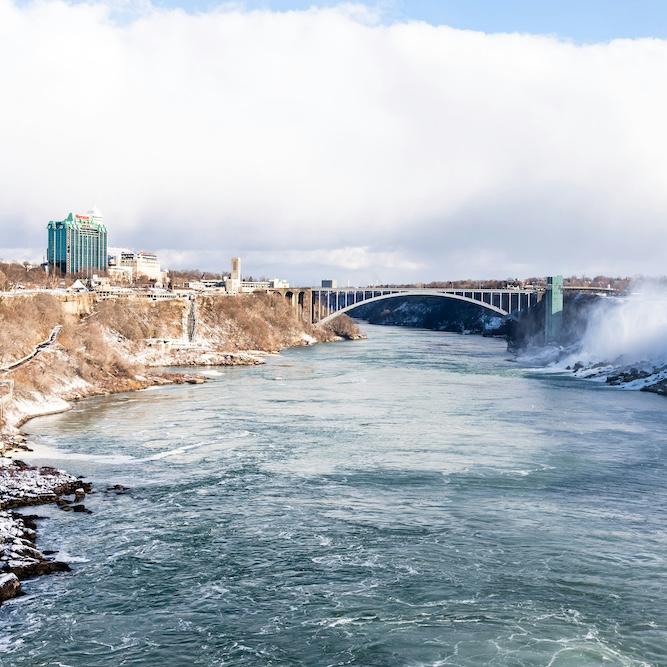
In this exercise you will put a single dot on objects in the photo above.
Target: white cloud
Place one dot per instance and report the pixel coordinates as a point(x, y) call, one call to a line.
point(410, 151)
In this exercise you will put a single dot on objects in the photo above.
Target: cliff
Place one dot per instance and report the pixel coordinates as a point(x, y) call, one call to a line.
point(528, 329)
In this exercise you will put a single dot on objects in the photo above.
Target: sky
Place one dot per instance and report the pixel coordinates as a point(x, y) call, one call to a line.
point(370, 143)
point(580, 20)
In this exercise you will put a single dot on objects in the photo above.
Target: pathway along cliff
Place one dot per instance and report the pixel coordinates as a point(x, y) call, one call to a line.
point(414, 499)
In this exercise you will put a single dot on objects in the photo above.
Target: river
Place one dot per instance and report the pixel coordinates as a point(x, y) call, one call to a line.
point(414, 499)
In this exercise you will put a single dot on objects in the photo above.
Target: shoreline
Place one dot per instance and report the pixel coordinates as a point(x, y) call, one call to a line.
point(22, 485)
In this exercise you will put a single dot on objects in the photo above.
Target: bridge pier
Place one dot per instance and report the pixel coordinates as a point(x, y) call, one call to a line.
point(300, 300)
point(553, 309)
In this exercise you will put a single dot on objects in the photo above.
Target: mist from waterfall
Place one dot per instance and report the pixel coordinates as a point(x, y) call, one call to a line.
point(627, 330)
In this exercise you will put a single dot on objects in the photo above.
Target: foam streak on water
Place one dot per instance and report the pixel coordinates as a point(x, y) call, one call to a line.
point(416, 499)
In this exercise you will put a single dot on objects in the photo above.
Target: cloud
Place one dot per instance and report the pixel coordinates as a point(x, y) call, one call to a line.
point(382, 151)
point(378, 266)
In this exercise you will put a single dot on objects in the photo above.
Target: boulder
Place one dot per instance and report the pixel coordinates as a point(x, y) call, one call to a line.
point(10, 586)
point(118, 488)
point(80, 508)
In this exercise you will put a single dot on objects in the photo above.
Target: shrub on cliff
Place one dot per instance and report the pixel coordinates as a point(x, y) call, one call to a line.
point(137, 320)
point(25, 322)
point(345, 327)
point(256, 322)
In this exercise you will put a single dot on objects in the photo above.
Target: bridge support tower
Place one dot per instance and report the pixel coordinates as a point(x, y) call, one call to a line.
point(553, 309)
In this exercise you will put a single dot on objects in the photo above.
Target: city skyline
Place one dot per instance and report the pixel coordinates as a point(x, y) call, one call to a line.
point(338, 142)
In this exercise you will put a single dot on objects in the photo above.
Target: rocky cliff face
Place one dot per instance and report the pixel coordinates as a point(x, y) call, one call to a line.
point(432, 313)
point(528, 329)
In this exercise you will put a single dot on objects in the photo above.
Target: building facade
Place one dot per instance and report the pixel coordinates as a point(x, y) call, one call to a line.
point(77, 244)
point(143, 264)
point(233, 283)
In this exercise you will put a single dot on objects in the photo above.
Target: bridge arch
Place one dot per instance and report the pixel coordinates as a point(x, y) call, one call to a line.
point(398, 295)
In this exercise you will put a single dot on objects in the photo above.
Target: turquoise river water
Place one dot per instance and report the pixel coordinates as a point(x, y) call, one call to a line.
point(414, 499)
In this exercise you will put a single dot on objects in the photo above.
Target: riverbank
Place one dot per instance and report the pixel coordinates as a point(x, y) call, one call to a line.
point(118, 347)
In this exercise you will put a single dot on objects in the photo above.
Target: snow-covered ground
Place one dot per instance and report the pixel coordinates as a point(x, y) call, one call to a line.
point(22, 485)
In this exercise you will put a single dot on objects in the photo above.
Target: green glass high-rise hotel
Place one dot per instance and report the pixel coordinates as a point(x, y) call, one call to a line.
point(78, 244)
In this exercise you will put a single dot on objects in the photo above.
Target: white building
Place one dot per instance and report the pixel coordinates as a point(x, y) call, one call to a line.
point(121, 274)
point(130, 266)
point(258, 285)
point(233, 283)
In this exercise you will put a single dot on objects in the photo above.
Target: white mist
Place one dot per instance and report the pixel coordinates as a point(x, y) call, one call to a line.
point(628, 330)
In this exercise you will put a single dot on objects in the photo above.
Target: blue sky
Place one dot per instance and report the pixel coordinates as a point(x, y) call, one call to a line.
point(579, 20)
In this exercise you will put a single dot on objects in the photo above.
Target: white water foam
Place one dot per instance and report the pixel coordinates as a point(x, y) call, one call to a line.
point(622, 335)
point(212, 373)
point(42, 448)
point(629, 330)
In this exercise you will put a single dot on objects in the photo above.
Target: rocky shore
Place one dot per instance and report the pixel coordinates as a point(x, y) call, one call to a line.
point(647, 376)
point(22, 485)
point(615, 340)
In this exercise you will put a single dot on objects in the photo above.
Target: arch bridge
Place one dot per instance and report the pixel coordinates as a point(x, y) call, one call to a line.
point(330, 303)
point(322, 305)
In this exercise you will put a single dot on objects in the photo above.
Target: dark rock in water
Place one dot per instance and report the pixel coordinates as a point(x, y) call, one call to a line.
point(577, 367)
point(63, 502)
point(49, 552)
point(627, 376)
point(29, 520)
point(65, 508)
point(659, 388)
point(118, 488)
point(10, 586)
point(80, 508)
point(39, 568)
